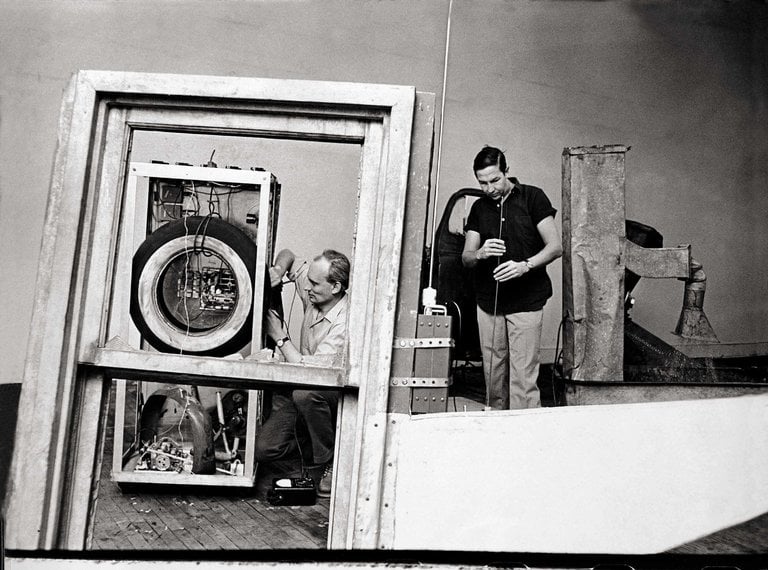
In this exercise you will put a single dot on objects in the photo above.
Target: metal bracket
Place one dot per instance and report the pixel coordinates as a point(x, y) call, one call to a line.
point(420, 382)
point(427, 342)
point(436, 310)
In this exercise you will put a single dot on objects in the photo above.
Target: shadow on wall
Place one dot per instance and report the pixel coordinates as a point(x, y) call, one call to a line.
point(9, 408)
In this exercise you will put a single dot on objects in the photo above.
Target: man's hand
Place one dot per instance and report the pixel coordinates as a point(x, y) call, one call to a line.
point(274, 326)
point(282, 265)
point(510, 270)
point(493, 247)
point(274, 277)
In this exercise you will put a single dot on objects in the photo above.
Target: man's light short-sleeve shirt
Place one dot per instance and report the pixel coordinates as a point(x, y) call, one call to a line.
point(322, 335)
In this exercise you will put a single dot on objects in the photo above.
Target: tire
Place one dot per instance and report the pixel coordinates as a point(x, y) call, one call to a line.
point(192, 287)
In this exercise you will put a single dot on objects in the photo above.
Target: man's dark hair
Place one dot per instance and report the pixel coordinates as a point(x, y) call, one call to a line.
point(338, 272)
point(490, 156)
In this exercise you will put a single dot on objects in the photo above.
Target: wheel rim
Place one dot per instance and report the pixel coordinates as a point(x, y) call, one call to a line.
point(195, 299)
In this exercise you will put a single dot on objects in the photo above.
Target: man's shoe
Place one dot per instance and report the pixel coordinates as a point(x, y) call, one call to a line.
point(324, 487)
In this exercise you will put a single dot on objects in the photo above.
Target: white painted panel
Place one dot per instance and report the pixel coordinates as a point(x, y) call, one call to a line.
point(628, 478)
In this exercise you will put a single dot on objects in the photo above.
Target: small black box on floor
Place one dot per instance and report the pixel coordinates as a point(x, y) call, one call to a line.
point(292, 491)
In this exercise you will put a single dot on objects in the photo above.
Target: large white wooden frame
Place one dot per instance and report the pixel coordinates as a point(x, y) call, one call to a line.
point(69, 361)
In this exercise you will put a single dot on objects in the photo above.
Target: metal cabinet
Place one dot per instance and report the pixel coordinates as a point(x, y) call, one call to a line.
point(199, 241)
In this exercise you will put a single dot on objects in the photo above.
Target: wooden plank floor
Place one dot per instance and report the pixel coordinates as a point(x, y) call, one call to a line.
point(171, 517)
point(173, 520)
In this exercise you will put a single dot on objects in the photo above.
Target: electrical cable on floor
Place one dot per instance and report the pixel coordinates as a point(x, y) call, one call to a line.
point(456, 360)
point(556, 359)
point(453, 366)
point(304, 470)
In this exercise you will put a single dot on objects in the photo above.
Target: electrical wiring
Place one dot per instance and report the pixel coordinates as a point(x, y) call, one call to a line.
point(304, 472)
point(190, 202)
point(201, 233)
point(251, 209)
point(454, 365)
point(186, 284)
point(138, 405)
point(558, 355)
point(234, 188)
point(187, 320)
point(495, 308)
point(293, 299)
point(195, 250)
point(168, 214)
point(214, 207)
point(229, 204)
point(183, 415)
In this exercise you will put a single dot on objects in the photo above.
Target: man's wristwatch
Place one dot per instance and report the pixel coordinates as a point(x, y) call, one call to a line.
point(529, 264)
point(280, 342)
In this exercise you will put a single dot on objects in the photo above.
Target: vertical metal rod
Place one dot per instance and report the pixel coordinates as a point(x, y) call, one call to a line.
point(440, 142)
point(495, 309)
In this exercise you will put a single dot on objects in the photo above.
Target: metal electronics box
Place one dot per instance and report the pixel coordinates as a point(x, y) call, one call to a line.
point(168, 433)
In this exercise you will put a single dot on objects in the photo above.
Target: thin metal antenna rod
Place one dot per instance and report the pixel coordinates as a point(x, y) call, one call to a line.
point(440, 143)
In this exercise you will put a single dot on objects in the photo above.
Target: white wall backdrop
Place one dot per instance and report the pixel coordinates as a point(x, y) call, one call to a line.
point(684, 84)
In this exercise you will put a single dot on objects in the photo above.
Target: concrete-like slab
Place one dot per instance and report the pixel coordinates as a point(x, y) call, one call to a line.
point(625, 478)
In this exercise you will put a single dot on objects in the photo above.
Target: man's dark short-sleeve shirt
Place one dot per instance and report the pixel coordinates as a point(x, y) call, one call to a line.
point(523, 209)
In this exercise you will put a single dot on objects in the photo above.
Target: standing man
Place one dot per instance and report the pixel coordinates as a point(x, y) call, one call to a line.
point(510, 238)
point(322, 286)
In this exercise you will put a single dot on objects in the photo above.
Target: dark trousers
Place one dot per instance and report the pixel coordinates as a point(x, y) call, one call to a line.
point(301, 421)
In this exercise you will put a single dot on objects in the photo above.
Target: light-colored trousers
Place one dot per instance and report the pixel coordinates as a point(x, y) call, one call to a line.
point(510, 345)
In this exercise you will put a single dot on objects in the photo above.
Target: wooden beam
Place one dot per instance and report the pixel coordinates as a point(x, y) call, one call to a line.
point(285, 91)
point(48, 380)
point(373, 512)
point(593, 262)
point(658, 262)
point(84, 457)
point(72, 310)
point(210, 371)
